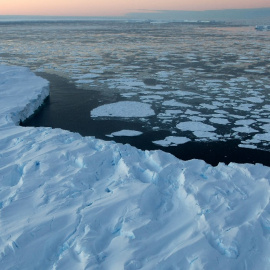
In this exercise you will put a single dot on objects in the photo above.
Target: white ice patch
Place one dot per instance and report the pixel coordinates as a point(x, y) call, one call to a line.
point(250, 146)
point(191, 112)
point(246, 122)
point(125, 132)
point(262, 137)
point(172, 141)
point(173, 112)
point(174, 103)
point(126, 84)
point(245, 129)
point(196, 118)
point(266, 127)
point(86, 76)
point(220, 121)
point(151, 97)
point(206, 134)
point(123, 109)
point(254, 99)
point(244, 107)
point(208, 106)
point(195, 126)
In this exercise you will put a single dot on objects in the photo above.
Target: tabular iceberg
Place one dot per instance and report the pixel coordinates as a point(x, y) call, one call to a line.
point(72, 202)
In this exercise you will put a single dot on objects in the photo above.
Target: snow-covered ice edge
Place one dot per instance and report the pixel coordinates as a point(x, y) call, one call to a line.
point(73, 202)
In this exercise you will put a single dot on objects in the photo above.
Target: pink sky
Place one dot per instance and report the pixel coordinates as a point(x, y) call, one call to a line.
point(117, 7)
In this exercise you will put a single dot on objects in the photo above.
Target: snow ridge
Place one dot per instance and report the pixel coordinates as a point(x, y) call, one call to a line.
point(72, 202)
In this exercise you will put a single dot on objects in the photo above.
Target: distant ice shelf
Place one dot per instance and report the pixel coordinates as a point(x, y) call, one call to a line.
point(73, 202)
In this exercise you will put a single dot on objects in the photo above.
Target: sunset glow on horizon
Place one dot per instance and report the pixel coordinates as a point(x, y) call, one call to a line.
point(117, 7)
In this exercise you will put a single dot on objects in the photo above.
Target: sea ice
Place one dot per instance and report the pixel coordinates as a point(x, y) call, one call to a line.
point(125, 132)
point(123, 109)
point(172, 141)
point(254, 99)
point(205, 134)
point(245, 122)
point(174, 103)
point(220, 121)
point(194, 126)
point(245, 129)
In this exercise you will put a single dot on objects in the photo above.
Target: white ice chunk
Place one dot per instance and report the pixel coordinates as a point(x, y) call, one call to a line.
point(245, 122)
point(254, 99)
point(266, 127)
point(194, 126)
point(245, 129)
point(174, 103)
point(205, 134)
point(220, 121)
point(172, 141)
point(125, 132)
point(123, 109)
point(262, 137)
point(196, 118)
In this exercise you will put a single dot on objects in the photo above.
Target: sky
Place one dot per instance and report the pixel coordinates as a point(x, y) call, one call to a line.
point(117, 7)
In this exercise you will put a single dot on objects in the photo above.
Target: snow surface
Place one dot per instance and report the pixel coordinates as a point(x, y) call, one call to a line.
point(73, 202)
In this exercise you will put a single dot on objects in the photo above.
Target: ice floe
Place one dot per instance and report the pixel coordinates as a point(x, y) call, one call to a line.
point(123, 109)
point(221, 121)
point(125, 132)
point(195, 126)
point(172, 141)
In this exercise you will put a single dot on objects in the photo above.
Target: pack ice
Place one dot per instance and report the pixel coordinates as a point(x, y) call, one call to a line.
point(72, 202)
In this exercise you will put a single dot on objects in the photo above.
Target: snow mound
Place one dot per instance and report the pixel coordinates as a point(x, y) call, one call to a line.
point(72, 202)
point(123, 109)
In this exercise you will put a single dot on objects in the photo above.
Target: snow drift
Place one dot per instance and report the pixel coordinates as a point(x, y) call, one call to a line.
point(72, 202)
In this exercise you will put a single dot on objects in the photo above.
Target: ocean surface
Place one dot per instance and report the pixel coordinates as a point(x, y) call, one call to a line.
point(208, 85)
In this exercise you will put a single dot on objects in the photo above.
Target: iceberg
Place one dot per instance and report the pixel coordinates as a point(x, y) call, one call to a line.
point(73, 202)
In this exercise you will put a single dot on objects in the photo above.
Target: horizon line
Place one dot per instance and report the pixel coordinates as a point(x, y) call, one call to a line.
point(144, 11)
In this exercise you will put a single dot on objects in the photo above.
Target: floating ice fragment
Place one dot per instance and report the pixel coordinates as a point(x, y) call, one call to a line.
point(220, 121)
point(245, 129)
point(125, 132)
point(250, 146)
point(194, 126)
point(205, 134)
point(172, 141)
point(262, 137)
point(244, 122)
point(174, 103)
point(123, 109)
point(254, 99)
